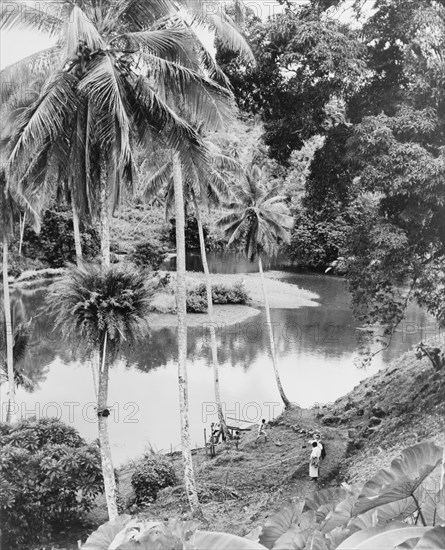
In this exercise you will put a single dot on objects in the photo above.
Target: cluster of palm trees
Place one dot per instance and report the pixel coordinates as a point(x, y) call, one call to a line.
point(122, 76)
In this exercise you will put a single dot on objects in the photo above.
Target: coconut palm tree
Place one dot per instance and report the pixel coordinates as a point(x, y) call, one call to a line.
point(97, 101)
point(258, 220)
point(104, 310)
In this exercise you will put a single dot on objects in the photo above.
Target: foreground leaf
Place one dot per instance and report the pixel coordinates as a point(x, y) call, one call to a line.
point(432, 540)
point(401, 479)
point(383, 537)
point(206, 540)
point(105, 535)
point(294, 539)
point(279, 523)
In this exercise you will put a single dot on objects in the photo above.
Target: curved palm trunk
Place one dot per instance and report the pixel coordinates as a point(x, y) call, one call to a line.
point(181, 297)
point(104, 206)
point(212, 332)
point(105, 449)
point(10, 415)
point(271, 339)
point(22, 231)
point(76, 227)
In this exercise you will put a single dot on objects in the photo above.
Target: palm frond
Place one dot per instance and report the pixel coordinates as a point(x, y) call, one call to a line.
point(171, 44)
point(158, 180)
point(34, 16)
point(46, 118)
point(81, 29)
point(21, 79)
point(104, 87)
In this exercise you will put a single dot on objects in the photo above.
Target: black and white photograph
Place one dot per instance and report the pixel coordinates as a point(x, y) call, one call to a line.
point(222, 294)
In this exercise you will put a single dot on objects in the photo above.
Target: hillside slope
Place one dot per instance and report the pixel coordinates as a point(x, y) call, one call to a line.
point(399, 406)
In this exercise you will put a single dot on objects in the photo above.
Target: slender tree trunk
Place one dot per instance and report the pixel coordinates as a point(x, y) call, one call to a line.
point(181, 297)
point(22, 231)
point(271, 338)
point(104, 205)
point(442, 477)
point(77, 242)
point(10, 415)
point(105, 449)
point(212, 331)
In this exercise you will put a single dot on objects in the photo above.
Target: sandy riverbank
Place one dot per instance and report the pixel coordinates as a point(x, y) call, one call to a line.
point(281, 296)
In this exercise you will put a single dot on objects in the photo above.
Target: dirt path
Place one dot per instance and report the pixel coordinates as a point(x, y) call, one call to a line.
point(240, 489)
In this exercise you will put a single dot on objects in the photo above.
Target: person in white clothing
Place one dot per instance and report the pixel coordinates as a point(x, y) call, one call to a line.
point(314, 462)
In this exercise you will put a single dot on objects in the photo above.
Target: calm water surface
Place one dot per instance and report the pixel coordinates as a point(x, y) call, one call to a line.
point(316, 348)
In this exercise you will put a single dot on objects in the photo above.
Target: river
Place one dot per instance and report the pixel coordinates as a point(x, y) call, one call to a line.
point(316, 348)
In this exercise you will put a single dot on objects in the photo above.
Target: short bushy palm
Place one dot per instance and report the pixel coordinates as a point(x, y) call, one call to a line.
point(104, 310)
point(258, 221)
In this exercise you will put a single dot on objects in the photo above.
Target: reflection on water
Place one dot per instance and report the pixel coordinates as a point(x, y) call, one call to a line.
point(316, 347)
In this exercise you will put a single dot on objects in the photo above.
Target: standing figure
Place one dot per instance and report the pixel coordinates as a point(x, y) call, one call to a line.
point(261, 431)
point(314, 461)
point(237, 438)
point(320, 443)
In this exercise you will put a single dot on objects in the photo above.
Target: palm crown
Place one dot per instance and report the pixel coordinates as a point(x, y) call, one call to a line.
point(111, 74)
point(90, 304)
point(259, 219)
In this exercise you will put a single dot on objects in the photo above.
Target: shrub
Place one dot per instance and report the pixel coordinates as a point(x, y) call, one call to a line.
point(196, 301)
point(221, 294)
point(148, 254)
point(49, 478)
point(152, 474)
point(55, 242)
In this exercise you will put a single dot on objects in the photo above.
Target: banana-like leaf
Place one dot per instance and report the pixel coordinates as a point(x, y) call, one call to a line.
point(432, 540)
point(382, 537)
point(279, 523)
point(401, 479)
point(206, 540)
point(103, 537)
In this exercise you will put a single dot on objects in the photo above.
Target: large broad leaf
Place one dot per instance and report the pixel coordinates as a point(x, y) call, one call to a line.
point(340, 516)
point(105, 535)
point(324, 501)
point(316, 541)
point(432, 540)
point(279, 523)
point(383, 537)
point(409, 544)
point(296, 536)
point(399, 510)
point(433, 508)
point(206, 540)
point(294, 539)
point(338, 535)
point(401, 479)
